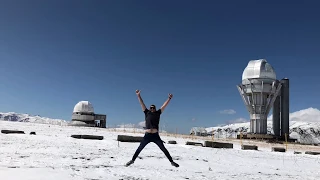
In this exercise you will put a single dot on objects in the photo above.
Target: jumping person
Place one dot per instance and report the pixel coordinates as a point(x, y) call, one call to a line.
point(152, 119)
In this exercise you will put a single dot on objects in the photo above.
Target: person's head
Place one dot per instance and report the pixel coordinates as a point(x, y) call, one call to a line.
point(152, 108)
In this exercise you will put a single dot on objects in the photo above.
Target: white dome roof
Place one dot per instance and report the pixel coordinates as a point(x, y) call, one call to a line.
point(83, 106)
point(259, 69)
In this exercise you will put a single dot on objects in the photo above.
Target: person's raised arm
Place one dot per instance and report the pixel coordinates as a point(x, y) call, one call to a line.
point(165, 104)
point(143, 106)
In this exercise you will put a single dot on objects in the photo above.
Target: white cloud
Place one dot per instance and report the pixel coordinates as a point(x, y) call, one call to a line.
point(305, 115)
point(220, 125)
point(228, 111)
point(239, 120)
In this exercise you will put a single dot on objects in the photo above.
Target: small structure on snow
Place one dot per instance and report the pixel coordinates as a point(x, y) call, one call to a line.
point(83, 115)
point(198, 131)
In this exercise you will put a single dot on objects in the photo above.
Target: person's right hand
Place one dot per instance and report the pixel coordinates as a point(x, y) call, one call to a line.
point(138, 92)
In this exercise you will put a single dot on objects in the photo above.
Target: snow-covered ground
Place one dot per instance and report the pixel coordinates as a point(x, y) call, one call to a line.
point(53, 154)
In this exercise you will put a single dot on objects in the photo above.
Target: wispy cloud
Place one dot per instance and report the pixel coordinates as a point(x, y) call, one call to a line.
point(305, 115)
point(228, 111)
point(239, 120)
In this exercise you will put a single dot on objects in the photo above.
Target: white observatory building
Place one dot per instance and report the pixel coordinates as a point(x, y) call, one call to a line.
point(261, 91)
point(83, 112)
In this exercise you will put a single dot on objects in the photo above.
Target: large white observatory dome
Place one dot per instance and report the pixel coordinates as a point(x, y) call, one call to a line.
point(259, 69)
point(83, 107)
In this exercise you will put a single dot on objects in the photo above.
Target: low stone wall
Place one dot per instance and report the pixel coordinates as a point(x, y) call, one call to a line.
point(126, 138)
point(213, 144)
point(249, 147)
point(93, 137)
point(12, 132)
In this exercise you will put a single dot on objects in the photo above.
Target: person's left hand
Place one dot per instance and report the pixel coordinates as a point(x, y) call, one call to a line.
point(170, 95)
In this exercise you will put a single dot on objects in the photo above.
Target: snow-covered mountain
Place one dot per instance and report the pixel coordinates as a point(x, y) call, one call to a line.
point(12, 116)
point(304, 126)
point(304, 132)
point(19, 117)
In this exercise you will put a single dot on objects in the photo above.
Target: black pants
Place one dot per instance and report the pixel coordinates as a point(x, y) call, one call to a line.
point(152, 137)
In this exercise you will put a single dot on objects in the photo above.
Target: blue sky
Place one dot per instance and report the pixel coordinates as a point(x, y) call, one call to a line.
point(56, 53)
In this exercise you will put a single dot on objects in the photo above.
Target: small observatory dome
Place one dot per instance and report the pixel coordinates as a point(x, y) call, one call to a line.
point(259, 69)
point(83, 107)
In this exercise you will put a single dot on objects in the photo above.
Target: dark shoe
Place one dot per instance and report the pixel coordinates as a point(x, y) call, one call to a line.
point(174, 164)
point(129, 163)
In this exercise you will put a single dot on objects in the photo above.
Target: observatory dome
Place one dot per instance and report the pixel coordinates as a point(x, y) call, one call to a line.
point(259, 69)
point(83, 107)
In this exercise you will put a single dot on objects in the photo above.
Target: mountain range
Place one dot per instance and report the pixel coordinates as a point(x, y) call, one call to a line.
point(304, 132)
point(304, 125)
point(19, 117)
